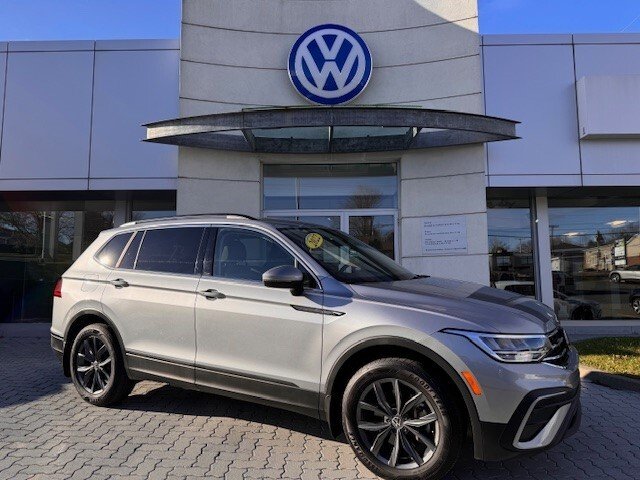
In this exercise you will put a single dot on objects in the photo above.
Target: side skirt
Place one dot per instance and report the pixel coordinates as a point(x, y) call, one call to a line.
point(273, 393)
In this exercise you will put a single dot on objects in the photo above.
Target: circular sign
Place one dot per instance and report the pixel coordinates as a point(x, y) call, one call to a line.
point(313, 241)
point(330, 64)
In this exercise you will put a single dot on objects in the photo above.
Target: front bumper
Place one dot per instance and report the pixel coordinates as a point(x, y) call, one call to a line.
point(542, 420)
point(524, 407)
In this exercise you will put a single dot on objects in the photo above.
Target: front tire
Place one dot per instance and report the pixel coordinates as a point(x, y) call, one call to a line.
point(615, 278)
point(97, 368)
point(635, 304)
point(400, 422)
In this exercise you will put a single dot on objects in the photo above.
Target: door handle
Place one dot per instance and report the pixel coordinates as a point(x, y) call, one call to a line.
point(119, 283)
point(211, 294)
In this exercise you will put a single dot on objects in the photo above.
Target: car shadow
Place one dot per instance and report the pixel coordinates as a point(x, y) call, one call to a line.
point(162, 398)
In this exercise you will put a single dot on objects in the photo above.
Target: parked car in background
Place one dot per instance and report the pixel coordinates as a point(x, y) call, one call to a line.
point(628, 274)
point(634, 301)
point(565, 306)
point(310, 319)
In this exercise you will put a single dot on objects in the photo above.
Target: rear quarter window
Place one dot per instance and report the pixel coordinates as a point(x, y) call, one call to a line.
point(110, 253)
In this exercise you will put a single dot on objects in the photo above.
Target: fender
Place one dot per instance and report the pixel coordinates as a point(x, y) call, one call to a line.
point(476, 428)
point(96, 313)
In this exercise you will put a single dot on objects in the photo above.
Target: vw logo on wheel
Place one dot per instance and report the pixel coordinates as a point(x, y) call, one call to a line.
point(330, 64)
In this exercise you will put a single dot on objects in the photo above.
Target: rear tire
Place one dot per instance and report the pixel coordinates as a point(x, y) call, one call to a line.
point(421, 419)
point(97, 367)
point(635, 304)
point(615, 278)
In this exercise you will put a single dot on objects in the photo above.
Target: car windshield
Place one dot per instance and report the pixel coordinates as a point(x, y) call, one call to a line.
point(346, 258)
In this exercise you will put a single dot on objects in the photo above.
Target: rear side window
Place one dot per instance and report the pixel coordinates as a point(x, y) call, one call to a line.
point(129, 258)
point(171, 250)
point(111, 252)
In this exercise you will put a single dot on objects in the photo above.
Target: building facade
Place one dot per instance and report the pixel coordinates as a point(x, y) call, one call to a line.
point(551, 214)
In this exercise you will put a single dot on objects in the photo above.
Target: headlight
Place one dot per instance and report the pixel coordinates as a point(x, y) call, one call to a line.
point(509, 348)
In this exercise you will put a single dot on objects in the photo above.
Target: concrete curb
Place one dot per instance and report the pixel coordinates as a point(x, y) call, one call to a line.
point(611, 380)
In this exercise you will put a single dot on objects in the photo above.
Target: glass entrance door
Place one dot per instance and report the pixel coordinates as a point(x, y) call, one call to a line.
point(376, 227)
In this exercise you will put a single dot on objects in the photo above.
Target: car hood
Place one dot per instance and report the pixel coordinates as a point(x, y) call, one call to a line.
point(477, 306)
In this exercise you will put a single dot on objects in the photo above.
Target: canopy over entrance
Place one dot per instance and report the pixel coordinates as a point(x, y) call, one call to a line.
point(331, 130)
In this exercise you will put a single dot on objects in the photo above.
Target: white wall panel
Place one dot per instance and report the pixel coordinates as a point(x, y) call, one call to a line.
point(47, 115)
point(607, 60)
point(605, 156)
point(535, 85)
point(132, 88)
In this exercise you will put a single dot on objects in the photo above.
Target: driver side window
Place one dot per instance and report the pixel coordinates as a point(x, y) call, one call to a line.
point(245, 255)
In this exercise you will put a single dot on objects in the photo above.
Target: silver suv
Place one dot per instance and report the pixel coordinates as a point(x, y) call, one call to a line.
point(309, 319)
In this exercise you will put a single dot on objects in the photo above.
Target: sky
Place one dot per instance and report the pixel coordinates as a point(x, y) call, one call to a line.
point(559, 16)
point(106, 19)
point(89, 19)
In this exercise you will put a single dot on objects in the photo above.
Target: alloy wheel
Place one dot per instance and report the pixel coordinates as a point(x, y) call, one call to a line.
point(93, 365)
point(397, 423)
point(636, 305)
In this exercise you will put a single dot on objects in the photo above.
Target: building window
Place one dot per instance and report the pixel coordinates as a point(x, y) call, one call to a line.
point(330, 187)
point(42, 233)
point(153, 204)
point(595, 255)
point(360, 199)
point(510, 244)
point(40, 237)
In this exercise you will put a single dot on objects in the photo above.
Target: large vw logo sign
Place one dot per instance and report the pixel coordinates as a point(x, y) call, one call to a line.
point(330, 64)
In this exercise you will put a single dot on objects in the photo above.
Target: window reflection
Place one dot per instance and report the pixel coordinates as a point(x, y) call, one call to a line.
point(38, 242)
point(42, 233)
point(595, 254)
point(511, 246)
point(326, 187)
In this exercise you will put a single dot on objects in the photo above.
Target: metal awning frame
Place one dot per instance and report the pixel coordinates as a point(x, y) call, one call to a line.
point(426, 128)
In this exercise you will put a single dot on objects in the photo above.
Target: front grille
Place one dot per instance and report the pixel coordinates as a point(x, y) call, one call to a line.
point(559, 353)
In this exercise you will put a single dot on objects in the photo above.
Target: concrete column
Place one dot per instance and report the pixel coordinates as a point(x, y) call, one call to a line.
point(211, 181)
point(122, 212)
point(445, 182)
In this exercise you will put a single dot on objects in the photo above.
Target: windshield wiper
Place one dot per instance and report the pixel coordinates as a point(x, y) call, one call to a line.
point(415, 277)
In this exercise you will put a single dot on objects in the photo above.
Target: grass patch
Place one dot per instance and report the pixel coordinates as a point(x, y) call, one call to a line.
point(619, 355)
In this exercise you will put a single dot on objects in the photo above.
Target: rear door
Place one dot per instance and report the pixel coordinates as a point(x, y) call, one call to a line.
point(151, 299)
point(251, 339)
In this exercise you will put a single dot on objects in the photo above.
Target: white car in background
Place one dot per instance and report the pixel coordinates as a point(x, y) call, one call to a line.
point(565, 306)
point(631, 274)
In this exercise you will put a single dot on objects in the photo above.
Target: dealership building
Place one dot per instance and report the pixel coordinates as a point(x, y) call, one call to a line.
point(509, 160)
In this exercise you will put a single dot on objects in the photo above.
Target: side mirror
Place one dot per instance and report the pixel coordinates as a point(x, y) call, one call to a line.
point(284, 276)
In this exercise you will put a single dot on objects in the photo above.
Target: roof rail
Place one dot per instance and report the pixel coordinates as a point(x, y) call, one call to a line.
point(193, 215)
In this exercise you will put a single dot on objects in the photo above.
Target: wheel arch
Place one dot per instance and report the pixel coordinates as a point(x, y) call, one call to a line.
point(77, 323)
point(385, 347)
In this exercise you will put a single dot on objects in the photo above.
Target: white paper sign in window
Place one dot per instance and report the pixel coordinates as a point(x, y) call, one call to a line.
point(444, 235)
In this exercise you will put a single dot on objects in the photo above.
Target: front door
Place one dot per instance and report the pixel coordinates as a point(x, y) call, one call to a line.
point(254, 340)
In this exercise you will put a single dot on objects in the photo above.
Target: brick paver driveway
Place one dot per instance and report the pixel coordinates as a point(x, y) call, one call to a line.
point(46, 431)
